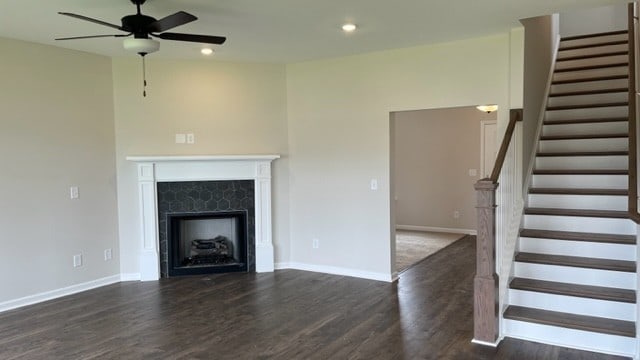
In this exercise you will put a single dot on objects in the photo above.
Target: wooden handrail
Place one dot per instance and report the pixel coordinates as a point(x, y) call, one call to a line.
point(633, 141)
point(515, 115)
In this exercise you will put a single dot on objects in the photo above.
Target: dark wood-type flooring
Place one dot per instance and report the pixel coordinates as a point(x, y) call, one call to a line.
point(288, 314)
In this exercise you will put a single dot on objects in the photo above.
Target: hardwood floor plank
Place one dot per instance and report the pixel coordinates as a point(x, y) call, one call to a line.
point(288, 314)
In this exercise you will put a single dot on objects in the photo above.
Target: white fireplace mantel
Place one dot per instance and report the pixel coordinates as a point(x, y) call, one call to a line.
point(154, 169)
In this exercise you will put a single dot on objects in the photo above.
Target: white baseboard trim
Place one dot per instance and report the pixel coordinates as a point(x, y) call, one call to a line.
point(336, 271)
point(54, 294)
point(130, 277)
point(486, 343)
point(436, 229)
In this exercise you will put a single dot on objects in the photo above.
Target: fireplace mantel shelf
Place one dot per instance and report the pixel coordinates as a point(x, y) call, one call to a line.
point(162, 158)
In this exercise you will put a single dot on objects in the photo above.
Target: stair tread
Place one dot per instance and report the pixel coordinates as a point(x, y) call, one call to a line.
point(587, 106)
point(599, 44)
point(591, 67)
point(590, 56)
point(589, 92)
point(585, 291)
point(615, 214)
point(572, 321)
point(584, 136)
point(584, 153)
point(579, 236)
point(585, 121)
point(578, 191)
point(586, 36)
point(577, 261)
point(580, 172)
point(592, 78)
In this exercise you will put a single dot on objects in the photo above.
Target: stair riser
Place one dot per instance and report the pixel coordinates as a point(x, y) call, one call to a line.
point(573, 305)
point(594, 202)
point(585, 340)
point(605, 60)
point(585, 100)
point(620, 127)
point(583, 74)
point(594, 40)
point(592, 51)
point(580, 224)
point(582, 162)
point(612, 144)
point(575, 275)
point(590, 85)
point(581, 181)
point(578, 248)
point(593, 113)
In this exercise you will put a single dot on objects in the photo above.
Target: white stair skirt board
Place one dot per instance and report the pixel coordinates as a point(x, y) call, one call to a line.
point(594, 202)
point(592, 51)
point(58, 293)
point(575, 100)
point(581, 181)
point(613, 162)
point(604, 60)
point(619, 127)
point(573, 305)
point(578, 145)
point(590, 85)
point(580, 224)
point(578, 339)
point(578, 248)
point(593, 40)
point(590, 113)
point(575, 275)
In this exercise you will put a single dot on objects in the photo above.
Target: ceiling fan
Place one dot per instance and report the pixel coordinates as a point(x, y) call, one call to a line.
point(144, 28)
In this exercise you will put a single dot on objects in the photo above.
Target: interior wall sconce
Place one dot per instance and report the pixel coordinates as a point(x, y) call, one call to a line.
point(487, 108)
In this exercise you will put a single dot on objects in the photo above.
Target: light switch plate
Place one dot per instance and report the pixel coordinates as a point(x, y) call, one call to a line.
point(181, 138)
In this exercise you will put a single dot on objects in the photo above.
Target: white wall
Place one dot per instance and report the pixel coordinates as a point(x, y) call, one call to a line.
point(57, 132)
point(593, 20)
point(433, 152)
point(232, 108)
point(339, 138)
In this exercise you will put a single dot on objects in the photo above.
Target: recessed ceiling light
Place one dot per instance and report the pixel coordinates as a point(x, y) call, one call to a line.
point(206, 51)
point(349, 27)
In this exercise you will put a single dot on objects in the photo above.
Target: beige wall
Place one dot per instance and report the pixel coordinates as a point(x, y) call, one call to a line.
point(56, 132)
point(594, 20)
point(339, 138)
point(433, 152)
point(231, 108)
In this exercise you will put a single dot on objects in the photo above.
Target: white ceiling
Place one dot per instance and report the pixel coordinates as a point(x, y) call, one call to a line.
point(280, 30)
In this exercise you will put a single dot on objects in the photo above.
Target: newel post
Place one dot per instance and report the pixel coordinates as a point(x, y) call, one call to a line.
point(485, 283)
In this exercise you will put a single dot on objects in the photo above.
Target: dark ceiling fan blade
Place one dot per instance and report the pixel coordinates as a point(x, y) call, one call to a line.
point(171, 21)
point(92, 36)
point(96, 21)
point(206, 39)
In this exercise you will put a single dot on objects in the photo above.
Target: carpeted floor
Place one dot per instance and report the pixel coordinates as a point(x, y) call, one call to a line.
point(413, 246)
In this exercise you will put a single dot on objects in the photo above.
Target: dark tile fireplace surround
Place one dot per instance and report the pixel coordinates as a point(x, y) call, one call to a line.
point(206, 200)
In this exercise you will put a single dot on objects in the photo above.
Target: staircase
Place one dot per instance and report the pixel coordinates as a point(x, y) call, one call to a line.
point(575, 268)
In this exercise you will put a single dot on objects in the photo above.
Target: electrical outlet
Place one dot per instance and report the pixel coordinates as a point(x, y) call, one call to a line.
point(456, 214)
point(191, 139)
point(374, 184)
point(74, 192)
point(107, 254)
point(77, 260)
point(315, 243)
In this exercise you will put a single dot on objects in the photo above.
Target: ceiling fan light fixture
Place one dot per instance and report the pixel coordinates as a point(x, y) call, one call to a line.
point(141, 46)
point(349, 27)
point(206, 51)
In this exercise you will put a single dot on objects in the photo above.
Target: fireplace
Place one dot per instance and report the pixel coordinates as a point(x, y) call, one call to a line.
point(204, 243)
point(196, 173)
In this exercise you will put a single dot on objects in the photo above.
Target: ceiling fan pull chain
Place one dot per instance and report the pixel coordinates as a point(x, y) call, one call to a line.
point(144, 77)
